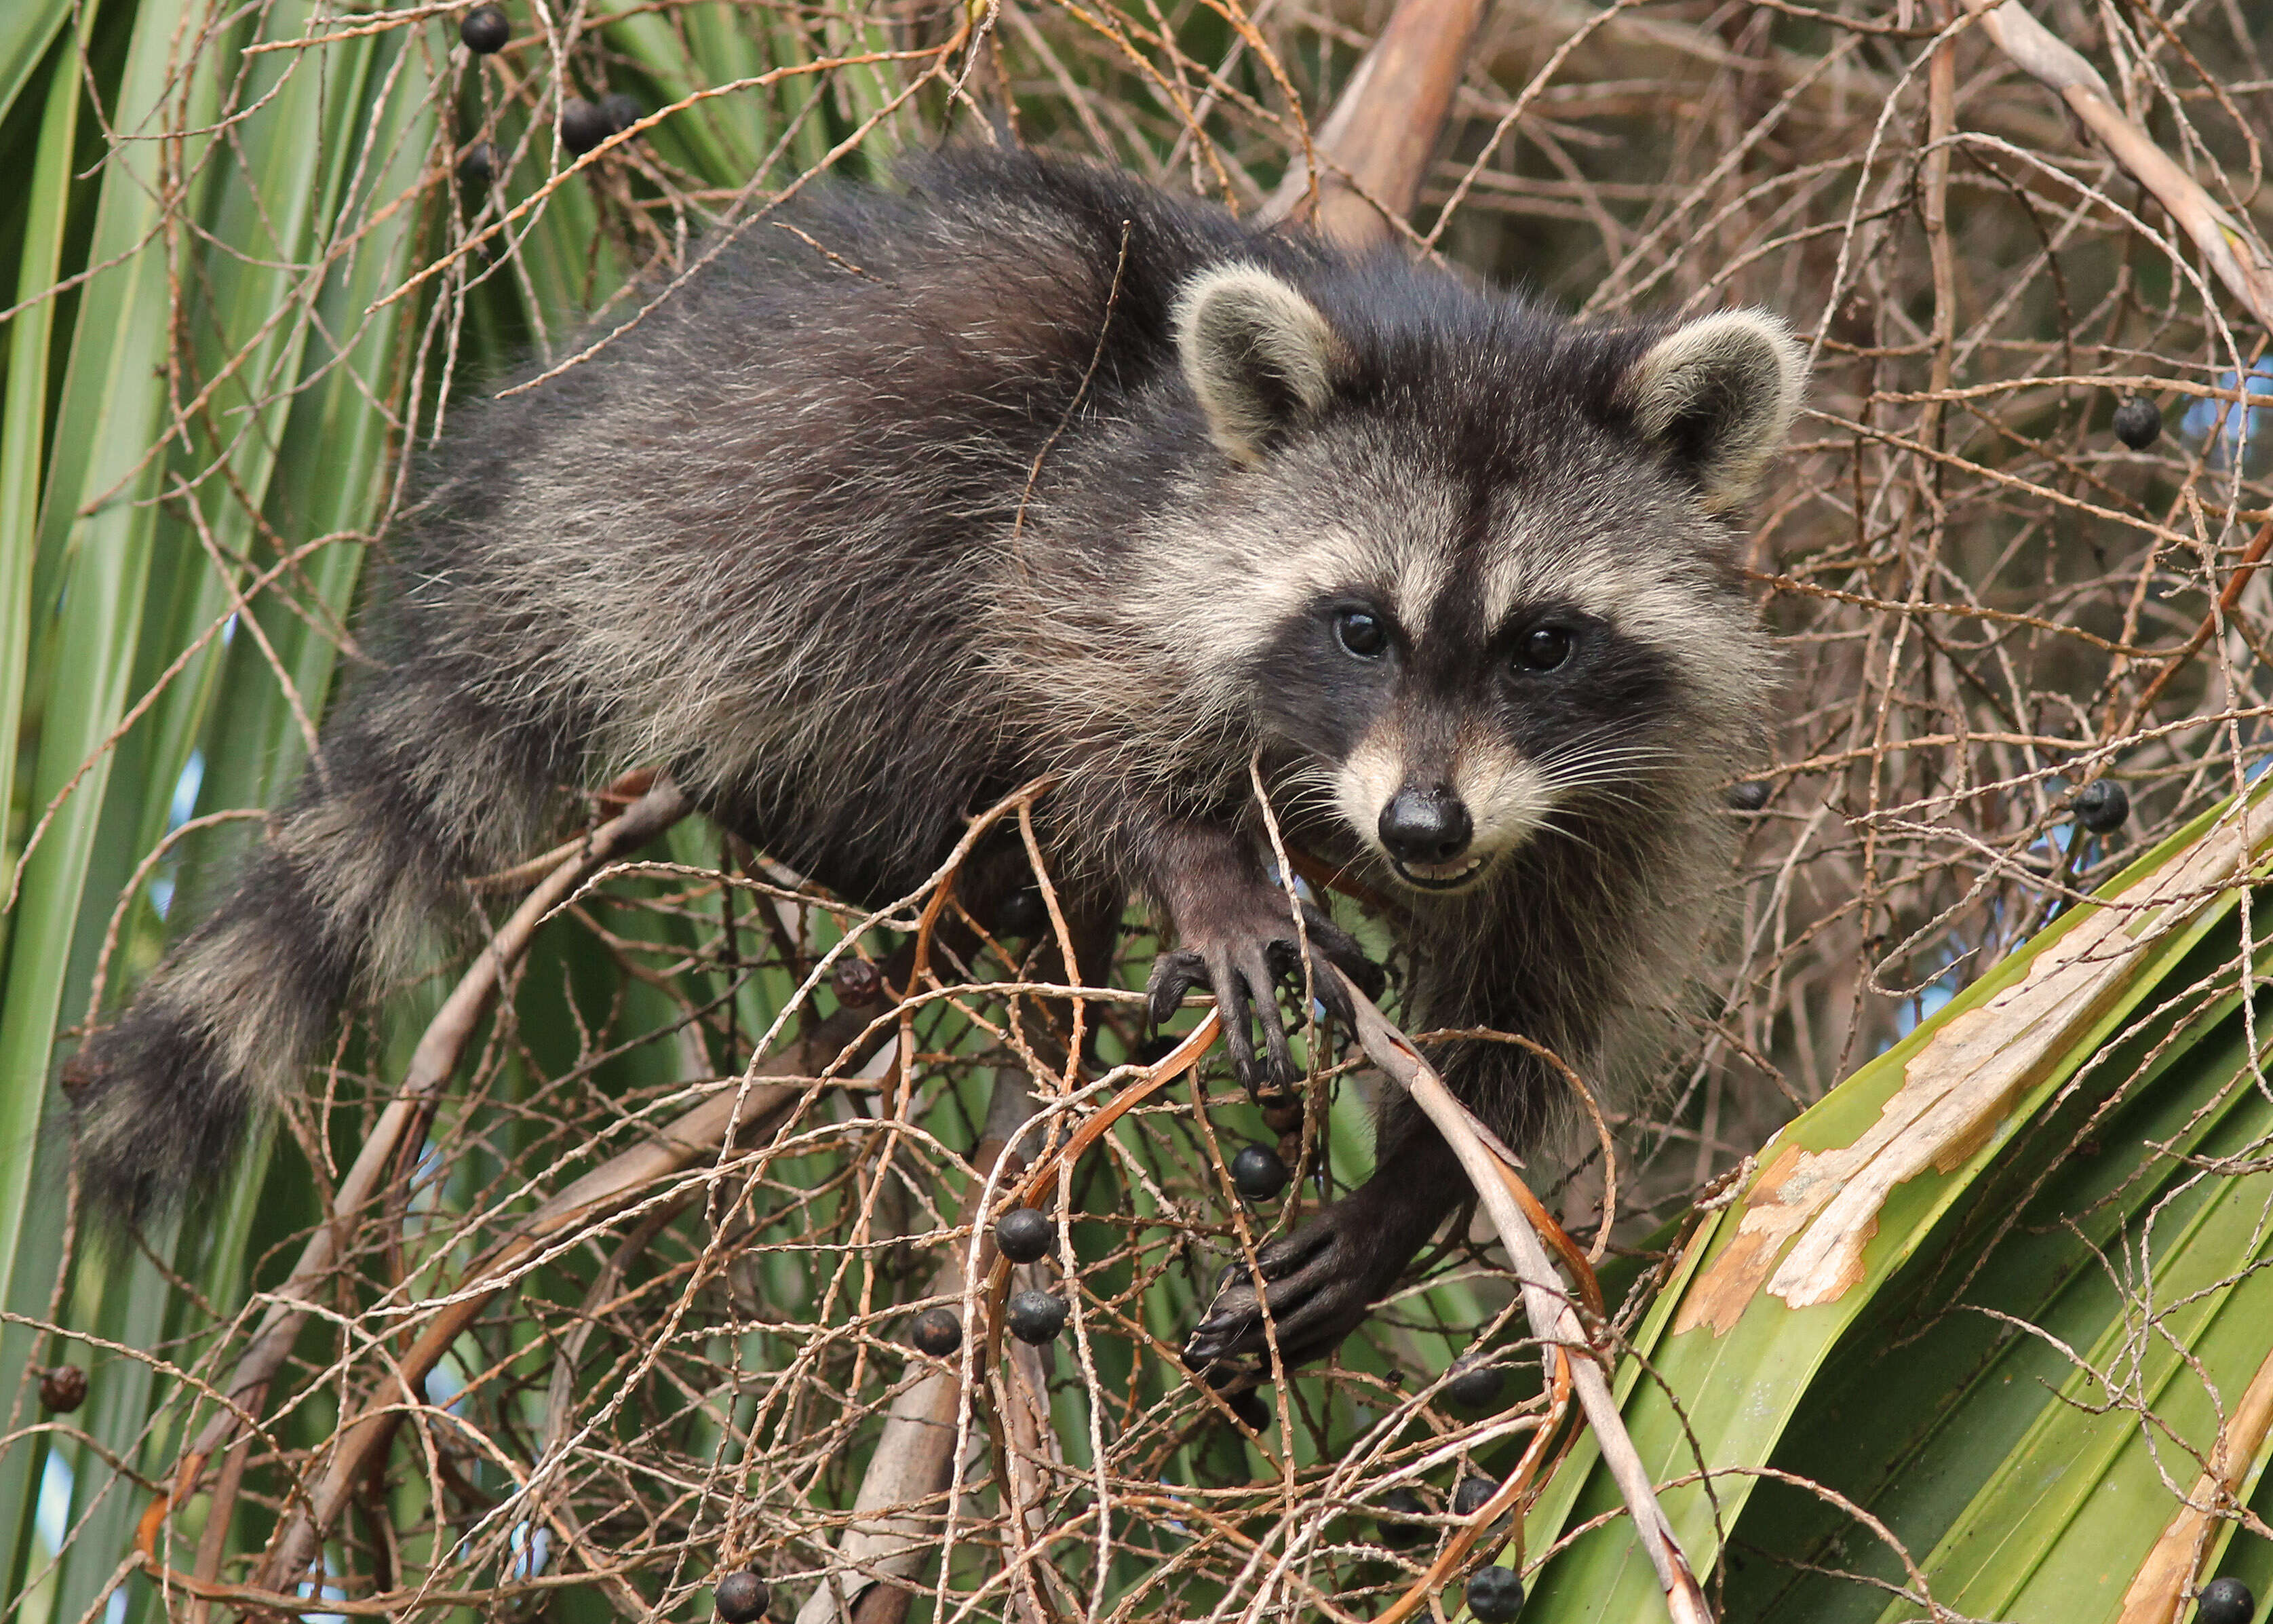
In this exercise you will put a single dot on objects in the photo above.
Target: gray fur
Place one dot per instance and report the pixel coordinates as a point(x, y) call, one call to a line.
point(787, 536)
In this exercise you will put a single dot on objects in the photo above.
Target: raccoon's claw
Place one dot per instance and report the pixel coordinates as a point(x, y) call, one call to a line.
point(1241, 977)
point(1243, 972)
point(1173, 974)
point(1316, 1284)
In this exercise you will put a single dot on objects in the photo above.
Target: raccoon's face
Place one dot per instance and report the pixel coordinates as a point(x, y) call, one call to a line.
point(1484, 573)
point(1446, 745)
point(1448, 703)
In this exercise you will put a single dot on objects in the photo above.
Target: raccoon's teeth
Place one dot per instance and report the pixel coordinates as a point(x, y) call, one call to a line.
point(1437, 876)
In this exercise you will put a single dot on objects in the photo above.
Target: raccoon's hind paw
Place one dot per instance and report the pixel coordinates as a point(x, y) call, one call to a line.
point(1241, 957)
point(1318, 1283)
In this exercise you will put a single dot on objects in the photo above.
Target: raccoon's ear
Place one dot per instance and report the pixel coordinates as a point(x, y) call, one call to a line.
point(1718, 397)
point(1258, 355)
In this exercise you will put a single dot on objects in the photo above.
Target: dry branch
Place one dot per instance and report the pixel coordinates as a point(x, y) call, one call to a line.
point(2159, 1590)
point(1547, 1301)
point(887, 1546)
point(2231, 248)
point(1373, 152)
point(432, 1064)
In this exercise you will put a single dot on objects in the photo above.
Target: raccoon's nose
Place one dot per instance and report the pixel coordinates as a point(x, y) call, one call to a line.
point(1429, 828)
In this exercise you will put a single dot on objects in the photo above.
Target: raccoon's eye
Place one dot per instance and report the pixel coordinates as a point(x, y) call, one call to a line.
point(1543, 648)
point(1361, 634)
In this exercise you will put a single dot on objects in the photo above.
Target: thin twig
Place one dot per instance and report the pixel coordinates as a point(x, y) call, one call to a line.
point(1546, 1303)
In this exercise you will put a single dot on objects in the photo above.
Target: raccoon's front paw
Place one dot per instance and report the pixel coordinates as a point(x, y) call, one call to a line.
point(1319, 1283)
point(1239, 950)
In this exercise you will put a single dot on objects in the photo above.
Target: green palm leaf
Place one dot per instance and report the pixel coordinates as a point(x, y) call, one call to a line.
point(1995, 1291)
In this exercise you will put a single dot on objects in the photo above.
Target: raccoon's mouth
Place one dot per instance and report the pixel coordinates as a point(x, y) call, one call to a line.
point(1438, 876)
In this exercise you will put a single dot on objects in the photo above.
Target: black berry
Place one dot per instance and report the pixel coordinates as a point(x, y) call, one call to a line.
point(2102, 807)
point(477, 167)
point(1494, 1595)
point(2224, 1601)
point(2138, 423)
point(1750, 796)
point(1022, 914)
point(1283, 1115)
point(937, 1332)
point(1273, 1104)
point(1397, 1523)
point(582, 125)
point(1258, 1173)
point(1035, 1316)
point(623, 111)
point(1249, 1406)
point(1149, 1052)
point(1473, 1495)
point(743, 1598)
point(1475, 1386)
point(63, 1388)
point(485, 29)
point(856, 983)
point(1025, 1234)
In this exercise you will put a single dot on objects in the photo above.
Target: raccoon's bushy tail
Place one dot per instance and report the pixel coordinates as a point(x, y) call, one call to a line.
point(417, 788)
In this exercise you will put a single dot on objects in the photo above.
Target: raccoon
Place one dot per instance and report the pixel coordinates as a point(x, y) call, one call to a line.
point(1020, 467)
